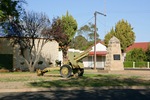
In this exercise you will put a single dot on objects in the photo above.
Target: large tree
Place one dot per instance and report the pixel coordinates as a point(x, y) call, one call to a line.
point(25, 35)
point(124, 32)
point(69, 26)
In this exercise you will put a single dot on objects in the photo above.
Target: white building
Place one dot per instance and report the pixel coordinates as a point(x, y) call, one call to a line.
point(101, 51)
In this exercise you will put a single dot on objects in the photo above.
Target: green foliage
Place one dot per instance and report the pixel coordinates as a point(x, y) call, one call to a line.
point(1, 14)
point(11, 8)
point(79, 42)
point(124, 32)
point(87, 31)
point(135, 55)
point(108, 36)
point(69, 25)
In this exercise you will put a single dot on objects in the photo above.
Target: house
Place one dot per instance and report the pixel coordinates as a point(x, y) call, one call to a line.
point(101, 52)
point(143, 45)
point(48, 55)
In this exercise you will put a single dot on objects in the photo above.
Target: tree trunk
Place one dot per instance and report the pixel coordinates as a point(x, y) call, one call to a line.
point(31, 68)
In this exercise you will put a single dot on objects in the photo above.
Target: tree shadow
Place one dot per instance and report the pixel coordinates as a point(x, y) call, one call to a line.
point(97, 81)
point(82, 94)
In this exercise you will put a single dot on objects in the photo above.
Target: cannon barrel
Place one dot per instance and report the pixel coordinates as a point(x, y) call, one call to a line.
point(82, 55)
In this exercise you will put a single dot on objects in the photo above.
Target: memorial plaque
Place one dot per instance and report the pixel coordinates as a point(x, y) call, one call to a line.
point(116, 56)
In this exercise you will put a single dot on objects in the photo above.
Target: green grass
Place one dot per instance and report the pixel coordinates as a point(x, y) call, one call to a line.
point(53, 79)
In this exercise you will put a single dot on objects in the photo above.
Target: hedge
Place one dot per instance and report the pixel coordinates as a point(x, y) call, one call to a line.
point(129, 64)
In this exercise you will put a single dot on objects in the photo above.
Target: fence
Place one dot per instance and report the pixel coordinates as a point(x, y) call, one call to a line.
point(128, 64)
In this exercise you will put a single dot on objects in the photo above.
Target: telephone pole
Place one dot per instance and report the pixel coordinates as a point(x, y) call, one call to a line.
point(95, 32)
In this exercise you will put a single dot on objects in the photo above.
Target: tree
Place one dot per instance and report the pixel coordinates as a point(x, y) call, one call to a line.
point(108, 36)
point(11, 8)
point(25, 35)
point(56, 32)
point(135, 55)
point(124, 32)
point(88, 31)
point(69, 26)
point(79, 42)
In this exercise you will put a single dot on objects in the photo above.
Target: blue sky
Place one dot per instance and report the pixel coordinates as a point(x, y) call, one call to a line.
point(136, 12)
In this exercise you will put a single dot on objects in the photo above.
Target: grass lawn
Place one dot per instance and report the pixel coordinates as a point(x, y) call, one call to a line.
point(93, 80)
point(53, 79)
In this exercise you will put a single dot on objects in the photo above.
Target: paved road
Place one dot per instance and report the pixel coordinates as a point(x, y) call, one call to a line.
point(80, 94)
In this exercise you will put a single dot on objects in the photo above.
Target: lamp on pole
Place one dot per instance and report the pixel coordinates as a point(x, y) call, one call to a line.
point(95, 32)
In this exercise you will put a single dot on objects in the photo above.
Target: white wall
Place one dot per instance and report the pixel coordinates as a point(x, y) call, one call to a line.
point(99, 47)
point(49, 53)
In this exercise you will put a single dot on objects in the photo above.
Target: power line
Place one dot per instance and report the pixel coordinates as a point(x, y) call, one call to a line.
point(87, 21)
point(129, 12)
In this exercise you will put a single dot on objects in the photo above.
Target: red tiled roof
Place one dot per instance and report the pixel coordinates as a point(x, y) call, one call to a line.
point(100, 53)
point(143, 45)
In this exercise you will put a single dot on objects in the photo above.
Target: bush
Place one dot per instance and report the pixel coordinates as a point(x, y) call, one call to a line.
point(136, 55)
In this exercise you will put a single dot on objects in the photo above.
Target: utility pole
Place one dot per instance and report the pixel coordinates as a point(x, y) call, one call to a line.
point(95, 32)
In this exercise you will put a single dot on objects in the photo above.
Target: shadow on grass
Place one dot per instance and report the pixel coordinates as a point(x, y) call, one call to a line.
point(92, 81)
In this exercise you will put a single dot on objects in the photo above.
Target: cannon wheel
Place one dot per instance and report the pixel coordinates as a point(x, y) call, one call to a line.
point(65, 71)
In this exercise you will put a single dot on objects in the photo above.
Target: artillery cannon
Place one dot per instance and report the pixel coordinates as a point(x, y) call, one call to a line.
point(73, 65)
